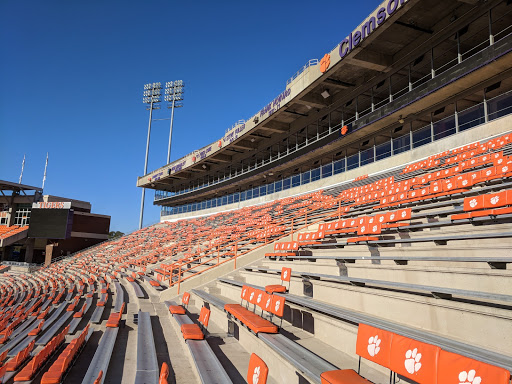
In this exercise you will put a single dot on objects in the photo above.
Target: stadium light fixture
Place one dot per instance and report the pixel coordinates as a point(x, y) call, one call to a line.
point(174, 96)
point(152, 96)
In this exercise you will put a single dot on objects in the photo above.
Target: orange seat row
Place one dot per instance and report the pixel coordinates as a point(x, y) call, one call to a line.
point(32, 368)
point(63, 362)
point(272, 304)
point(421, 362)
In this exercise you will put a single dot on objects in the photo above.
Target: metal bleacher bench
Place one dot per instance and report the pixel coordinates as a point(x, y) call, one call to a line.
point(439, 240)
point(101, 359)
point(119, 296)
point(494, 262)
point(306, 362)
point(207, 364)
point(356, 317)
point(138, 291)
point(147, 363)
point(437, 292)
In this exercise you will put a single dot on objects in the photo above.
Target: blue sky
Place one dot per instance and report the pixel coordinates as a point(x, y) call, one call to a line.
point(72, 76)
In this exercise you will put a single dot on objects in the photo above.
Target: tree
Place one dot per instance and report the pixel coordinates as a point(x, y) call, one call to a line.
point(115, 235)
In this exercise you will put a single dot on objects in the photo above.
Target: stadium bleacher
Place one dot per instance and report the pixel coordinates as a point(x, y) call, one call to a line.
point(371, 289)
point(394, 267)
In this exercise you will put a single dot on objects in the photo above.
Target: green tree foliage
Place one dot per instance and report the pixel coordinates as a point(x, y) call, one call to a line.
point(115, 235)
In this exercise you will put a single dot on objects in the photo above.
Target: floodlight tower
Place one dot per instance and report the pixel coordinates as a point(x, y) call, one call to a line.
point(152, 98)
point(174, 95)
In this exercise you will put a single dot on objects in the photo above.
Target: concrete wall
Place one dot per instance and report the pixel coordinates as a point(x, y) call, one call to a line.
point(480, 133)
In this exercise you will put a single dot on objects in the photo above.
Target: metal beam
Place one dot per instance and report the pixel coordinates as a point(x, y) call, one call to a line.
point(244, 144)
point(338, 83)
point(182, 175)
point(371, 60)
point(275, 126)
point(221, 157)
point(312, 101)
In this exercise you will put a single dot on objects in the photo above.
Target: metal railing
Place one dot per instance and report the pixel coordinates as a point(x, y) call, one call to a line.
point(290, 221)
point(310, 63)
point(457, 122)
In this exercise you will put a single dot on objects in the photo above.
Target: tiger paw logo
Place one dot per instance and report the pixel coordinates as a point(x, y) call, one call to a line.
point(469, 377)
point(473, 203)
point(278, 304)
point(494, 200)
point(374, 345)
point(325, 63)
point(285, 274)
point(412, 361)
point(256, 375)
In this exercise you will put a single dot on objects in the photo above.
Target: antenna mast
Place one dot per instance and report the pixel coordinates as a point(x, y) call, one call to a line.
point(22, 168)
point(45, 167)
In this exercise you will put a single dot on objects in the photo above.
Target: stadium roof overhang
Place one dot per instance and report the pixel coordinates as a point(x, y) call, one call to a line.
point(314, 97)
point(19, 193)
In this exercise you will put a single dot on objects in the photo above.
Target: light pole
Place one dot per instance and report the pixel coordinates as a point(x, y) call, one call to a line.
point(174, 95)
point(152, 98)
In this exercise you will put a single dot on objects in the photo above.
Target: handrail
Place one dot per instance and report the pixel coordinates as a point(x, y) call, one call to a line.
point(310, 63)
point(179, 264)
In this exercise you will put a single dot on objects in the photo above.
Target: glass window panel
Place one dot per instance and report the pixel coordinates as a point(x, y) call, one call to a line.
point(401, 144)
point(499, 106)
point(421, 137)
point(383, 150)
point(367, 156)
point(353, 161)
point(471, 117)
point(306, 177)
point(327, 170)
point(339, 166)
point(315, 174)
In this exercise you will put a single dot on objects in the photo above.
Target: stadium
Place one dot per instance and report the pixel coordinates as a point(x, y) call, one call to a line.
point(357, 229)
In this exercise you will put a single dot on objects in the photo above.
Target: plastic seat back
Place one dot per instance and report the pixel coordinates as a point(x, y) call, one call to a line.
point(186, 298)
point(277, 306)
point(286, 274)
point(374, 344)
point(261, 299)
point(494, 200)
point(455, 369)
point(414, 359)
point(258, 370)
point(204, 316)
point(244, 294)
point(252, 295)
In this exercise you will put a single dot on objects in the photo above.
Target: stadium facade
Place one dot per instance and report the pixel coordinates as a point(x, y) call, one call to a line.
point(37, 228)
point(414, 78)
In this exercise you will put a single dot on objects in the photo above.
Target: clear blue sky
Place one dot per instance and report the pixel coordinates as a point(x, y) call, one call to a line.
point(72, 76)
